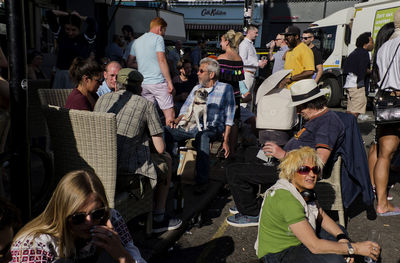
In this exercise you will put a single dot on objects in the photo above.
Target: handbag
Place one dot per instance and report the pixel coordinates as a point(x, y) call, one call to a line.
point(387, 101)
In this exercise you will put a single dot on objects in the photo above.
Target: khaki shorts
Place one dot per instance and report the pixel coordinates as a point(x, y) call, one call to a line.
point(356, 100)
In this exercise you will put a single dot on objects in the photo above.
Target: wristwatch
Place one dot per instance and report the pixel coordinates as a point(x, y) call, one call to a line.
point(350, 249)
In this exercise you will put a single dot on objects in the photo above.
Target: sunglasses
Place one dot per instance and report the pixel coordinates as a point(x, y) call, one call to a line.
point(305, 38)
point(95, 215)
point(202, 71)
point(304, 170)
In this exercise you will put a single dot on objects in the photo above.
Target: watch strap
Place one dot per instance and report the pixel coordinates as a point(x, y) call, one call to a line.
point(350, 249)
point(342, 236)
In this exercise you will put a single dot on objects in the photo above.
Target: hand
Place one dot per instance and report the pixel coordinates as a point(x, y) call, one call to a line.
point(170, 88)
point(262, 63)
point(225, 146)
point(367, 248)
point(272, 45)
point(108, 239)
point(174, 123)
point(272, 149)
point(284, 83)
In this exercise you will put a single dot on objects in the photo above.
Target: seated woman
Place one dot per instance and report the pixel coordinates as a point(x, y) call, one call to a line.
point(87, 76)
point(78, 225)
point(323, 130)
point(289, 220)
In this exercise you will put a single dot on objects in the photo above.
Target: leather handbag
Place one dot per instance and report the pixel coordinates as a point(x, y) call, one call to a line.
point(387, 102)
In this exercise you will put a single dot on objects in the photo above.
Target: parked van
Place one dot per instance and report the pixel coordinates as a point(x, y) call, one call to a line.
point(337, 36)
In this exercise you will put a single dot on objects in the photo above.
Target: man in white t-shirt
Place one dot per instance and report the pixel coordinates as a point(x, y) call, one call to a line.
point(149, 52)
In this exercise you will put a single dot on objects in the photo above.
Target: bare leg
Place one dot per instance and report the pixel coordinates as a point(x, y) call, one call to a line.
point(169, 115)
point(161, 191)
point(387, 147)
point(372, 158)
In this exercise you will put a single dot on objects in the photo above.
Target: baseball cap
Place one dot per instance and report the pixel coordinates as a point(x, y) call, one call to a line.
point(130, 77)
point(292, 30)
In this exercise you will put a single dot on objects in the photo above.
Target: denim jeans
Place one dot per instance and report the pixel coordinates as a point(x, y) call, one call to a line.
point(201, 143)
point(302, 254)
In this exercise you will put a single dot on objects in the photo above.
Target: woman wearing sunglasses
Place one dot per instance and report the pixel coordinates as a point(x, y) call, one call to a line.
point(293, 228)
point(77, 225)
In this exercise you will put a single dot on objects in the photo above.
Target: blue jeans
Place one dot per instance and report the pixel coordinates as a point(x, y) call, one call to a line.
point(201, 143)
point(302, 254)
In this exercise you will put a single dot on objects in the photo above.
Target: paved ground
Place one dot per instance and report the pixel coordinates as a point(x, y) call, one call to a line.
point(206, 237)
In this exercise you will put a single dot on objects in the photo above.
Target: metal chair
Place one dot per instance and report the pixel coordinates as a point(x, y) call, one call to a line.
point(88, 140)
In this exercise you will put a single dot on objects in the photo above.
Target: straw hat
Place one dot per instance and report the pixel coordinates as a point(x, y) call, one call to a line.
point(270, 83)
point(305, 90)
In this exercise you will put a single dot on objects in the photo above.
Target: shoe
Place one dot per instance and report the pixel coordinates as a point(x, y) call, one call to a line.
point(169, 223)
point(240, 220)
point(233, 210)
point(396, 212)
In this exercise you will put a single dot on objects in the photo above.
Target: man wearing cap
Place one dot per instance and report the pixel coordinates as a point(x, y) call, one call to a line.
point(137, 120)
point(110, 78)
point(299, 58)
point(248, 53)
point(323, 130)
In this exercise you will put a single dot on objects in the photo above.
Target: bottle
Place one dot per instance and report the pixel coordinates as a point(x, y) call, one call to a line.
point(179, 200)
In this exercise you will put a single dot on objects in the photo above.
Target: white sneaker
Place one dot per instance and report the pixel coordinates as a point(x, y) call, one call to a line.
point(363, 117)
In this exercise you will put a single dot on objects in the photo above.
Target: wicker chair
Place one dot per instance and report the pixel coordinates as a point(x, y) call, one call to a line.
point(56, 97)
point(329, 191)
point(88, 140)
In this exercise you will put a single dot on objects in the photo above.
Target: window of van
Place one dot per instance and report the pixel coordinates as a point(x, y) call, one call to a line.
point(325, 40)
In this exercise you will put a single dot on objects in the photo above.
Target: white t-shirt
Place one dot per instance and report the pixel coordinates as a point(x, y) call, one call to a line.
point(383, 59)
point(351, 81)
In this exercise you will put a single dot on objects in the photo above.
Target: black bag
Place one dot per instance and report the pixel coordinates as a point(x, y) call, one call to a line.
point(387, 101)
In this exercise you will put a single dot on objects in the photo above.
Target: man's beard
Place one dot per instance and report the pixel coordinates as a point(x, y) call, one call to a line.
point(204, 83)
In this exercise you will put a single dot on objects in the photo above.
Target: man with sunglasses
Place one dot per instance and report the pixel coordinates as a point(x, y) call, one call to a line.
point(280, 43)
point(323, 131)
point(299, 58)
point(308, 38)
point(110, 78)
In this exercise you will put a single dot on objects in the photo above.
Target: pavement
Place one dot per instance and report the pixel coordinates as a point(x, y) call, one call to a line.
point(206, 237)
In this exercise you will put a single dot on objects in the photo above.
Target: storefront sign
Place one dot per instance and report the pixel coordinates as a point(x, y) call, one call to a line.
point(212, 12)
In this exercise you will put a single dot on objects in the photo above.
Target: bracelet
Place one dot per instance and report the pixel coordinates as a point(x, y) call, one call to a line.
point(342, 236)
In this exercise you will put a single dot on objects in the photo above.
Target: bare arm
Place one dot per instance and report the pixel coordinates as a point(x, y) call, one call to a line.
point(131, 62)
point(225, 144)
point(303, 75)
point(273, 149)
point(158, 143)
point(323, 154)
point(162, 61)
point(320, 70)
point(3, 60)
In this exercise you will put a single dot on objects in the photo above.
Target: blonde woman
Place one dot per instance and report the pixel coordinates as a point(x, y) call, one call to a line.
point(76, 225)
point(290, 217)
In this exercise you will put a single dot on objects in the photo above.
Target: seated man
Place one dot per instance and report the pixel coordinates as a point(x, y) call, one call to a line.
point(220, 113)
point(110, 78)
point(323, 130)
point(137, 118)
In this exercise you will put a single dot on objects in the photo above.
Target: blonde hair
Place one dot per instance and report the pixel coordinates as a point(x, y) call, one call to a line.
point(295, 159)
point(234, 38)
point(71, 192)
point(158, 21)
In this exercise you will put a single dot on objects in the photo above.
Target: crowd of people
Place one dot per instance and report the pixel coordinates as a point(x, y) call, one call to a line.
point(152, 90)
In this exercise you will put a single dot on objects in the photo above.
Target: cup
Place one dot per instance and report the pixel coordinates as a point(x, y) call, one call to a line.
point(373, 235)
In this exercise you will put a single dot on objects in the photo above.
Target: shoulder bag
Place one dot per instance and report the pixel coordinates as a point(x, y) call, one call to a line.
point(387, 101)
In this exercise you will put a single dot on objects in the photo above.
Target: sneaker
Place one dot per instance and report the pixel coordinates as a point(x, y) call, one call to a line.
point(169, 223)
point(233, 210)
point(240, 220)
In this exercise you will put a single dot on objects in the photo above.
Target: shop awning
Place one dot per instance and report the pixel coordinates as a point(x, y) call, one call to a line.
point(213, 27)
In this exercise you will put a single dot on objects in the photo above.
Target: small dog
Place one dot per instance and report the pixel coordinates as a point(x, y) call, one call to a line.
point(197, 109)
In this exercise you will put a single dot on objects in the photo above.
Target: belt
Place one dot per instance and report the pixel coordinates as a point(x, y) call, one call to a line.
point(248, 71)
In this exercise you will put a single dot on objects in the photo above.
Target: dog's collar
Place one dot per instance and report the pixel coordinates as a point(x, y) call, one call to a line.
point(200, 103)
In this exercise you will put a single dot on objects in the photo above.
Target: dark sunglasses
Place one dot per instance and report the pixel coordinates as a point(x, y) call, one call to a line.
point(202, 71)
point(305, 38)
point(95, 215)
point(304, 170)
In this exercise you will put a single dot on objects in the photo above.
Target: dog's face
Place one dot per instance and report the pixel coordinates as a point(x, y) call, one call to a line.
point(201, 95)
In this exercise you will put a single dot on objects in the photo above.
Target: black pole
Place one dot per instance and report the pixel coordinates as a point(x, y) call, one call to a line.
point(20, 162)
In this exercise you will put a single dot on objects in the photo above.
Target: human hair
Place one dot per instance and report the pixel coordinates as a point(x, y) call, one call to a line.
point(234, 38)
point(158, 21)
point(71, 19)
point(251, 27)
point(309, 31)
point(212, 65)
point(128, 29)
point(84, 67)
point(32, 53)
point(70, 194)
point(181, 63)
point(383, 35)
point(316, 104)
point(110, 63)
point(10, 216)
point(363, 39)
point(295, 159)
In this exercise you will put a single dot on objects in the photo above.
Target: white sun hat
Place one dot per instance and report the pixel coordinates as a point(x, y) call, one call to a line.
point(305, 90)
